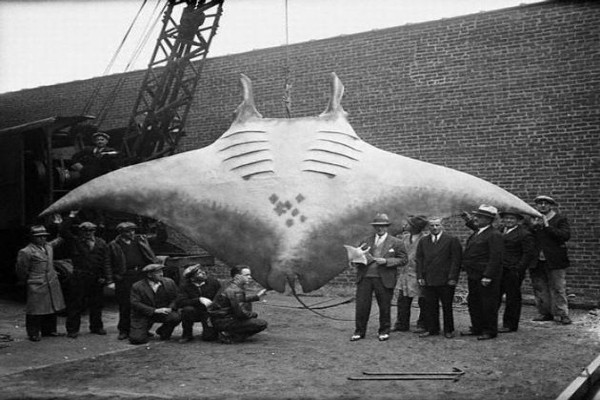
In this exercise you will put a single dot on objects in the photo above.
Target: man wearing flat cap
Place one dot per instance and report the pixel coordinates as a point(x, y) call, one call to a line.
point(407, 286)
point(385, 254)
point(44, 294)
point(153, 299)
point(129, 253)
point(482, 260)
point(92, 162)
point(519, 252)
point(551, 232)
point(91, 272)
point(196, 293)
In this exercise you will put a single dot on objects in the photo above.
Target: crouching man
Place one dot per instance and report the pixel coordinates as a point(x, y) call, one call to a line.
point(231, 311)
point(196, 293)
point(153, 300)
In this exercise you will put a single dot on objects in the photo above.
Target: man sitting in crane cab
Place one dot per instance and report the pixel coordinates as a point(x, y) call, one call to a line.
point(92, 162)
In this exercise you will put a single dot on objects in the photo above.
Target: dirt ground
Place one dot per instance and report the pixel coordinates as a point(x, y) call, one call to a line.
point(300, 356)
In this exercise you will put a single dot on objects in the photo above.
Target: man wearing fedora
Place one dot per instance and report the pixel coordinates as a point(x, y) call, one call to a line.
point(519, 252)
point(385, 254)
point(407, 286)
point(92, 162)
point(482, 260)
point(44, 294)
point(438, 261)
point(91, 272)
point(196, 293)
point(153, 299)
point(551, 233)
point(129, 253)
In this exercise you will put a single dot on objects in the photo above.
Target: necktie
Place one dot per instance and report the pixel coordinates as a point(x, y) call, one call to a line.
point(433, 239)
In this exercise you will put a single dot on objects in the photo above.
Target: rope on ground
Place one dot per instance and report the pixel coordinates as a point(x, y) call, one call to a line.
point(291, 283)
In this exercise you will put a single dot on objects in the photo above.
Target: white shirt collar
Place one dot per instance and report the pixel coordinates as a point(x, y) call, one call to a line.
point(510, 229)
point(483, 229)
point(380, 239)
point(154, 285)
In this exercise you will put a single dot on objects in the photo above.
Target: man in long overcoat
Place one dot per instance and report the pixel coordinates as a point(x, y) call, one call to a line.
point(44, 295)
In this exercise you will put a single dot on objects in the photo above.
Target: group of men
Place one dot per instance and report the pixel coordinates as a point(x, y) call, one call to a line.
point(495, 259)
point(145, 296)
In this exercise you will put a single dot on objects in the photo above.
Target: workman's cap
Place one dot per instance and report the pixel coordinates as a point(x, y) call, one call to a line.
point(152, 267)
point(38, 230)
point(541, 198)
point(418, 221)
point(87, 226)
point(191, 270)
point(381, 220)
point(486, 211)
point(513, 212)
point(102, 134)
point(125, 226)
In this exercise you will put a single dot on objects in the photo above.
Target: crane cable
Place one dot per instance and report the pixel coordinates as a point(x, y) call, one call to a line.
point(92, 97)
point(148, 29)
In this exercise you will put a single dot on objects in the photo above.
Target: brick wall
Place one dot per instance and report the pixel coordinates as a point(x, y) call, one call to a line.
point(511, 96)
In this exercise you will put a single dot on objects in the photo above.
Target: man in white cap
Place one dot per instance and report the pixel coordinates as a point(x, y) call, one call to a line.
point(385, 253)
point(551, 233)
point(153, 300)
point(95, 161)
point(196, 293)
point(44, 294)
point(482, 260)
point(129, 253)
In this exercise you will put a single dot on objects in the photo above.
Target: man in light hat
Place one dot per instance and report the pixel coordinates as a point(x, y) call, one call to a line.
point(153, 300)
point(407, 286)
point(482, 260)
point(519, 252)
point(94, 161)
point(44, 294)
point(196, 293)
point(551, 233)
point(91, 272)
point(129, 253)
point(385, 254)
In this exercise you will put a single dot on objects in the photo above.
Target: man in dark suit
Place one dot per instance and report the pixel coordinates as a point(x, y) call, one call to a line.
point(438, 265)
point(153, 300)
point(519, 252)
point(196, 293)
point(384, 254)
point(551, 233)
point(482, 260)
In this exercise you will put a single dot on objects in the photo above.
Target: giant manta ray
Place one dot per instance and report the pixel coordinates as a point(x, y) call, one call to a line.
point(285, 195)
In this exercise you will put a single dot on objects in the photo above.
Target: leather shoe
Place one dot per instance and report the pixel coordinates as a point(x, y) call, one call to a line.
point(99, 331)
point(541, 318)
point(427, 334)
point(564, 321)
point(506, 330)
point(448, 335)
point(383, 337)
point(354, 338)
point(400, 329)
point(34, 338)
point(122, 336)
point(469, 333)
point(72, 335)
point(420, 330)
point(485, 336)
point(186, 339)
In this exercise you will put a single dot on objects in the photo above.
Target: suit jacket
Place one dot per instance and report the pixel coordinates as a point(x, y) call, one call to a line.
point(483, 254)
point(189, 294)
point(552, 241)
point(393, 251)
point(519, 249)
point(117, 256)
point(143, 298)
point(438, 263)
